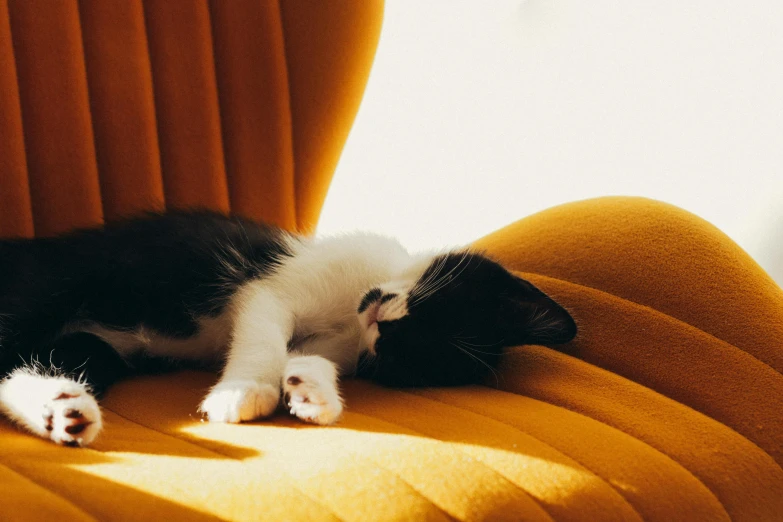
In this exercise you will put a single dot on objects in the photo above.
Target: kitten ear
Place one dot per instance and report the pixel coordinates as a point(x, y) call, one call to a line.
point(529, 316)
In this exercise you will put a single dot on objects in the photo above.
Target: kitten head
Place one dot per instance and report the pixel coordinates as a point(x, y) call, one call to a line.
point(447, 322)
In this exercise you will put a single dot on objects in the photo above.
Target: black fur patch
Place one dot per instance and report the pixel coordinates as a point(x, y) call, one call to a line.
point(369, 298)
point(161, 271)
point(461, 314)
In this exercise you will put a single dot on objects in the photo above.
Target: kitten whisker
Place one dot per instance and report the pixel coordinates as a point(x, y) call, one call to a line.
point(440, 281)
point(446, 278)
point(491, 369)
point(459, 263)
point(365, 362)
point(429, 282)
point(463, 341)
point(473, 349)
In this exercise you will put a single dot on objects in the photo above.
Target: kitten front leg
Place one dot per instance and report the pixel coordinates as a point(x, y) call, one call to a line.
point(53, 407)
point(310, 382)
point(237, 400)
point(311, 392)
point(249, 387)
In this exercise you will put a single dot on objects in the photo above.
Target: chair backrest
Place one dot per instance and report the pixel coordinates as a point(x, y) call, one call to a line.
point(111, 108)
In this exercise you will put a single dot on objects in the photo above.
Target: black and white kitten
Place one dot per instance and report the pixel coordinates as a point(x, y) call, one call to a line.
point(280, 313)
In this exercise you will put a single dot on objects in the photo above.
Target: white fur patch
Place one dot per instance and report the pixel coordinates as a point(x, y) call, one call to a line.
point(53, 407)
point(310, 385)
point(370, 337)
point(238, 401)
point(394, 309)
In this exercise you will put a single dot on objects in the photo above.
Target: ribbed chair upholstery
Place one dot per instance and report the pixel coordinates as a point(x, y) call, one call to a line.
point(667, 406)
point(109, 108)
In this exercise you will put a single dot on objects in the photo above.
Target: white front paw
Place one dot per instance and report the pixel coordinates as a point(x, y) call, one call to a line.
point(310, 385)
point(54, 407)
point(238, 401)
point(72, 416)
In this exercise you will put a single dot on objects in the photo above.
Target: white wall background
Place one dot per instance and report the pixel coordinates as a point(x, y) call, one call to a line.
point(480, 113)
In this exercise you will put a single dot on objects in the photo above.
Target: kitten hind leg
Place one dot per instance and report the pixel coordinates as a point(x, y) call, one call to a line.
point(55, 404)
point(54, 407)
point(311, 392)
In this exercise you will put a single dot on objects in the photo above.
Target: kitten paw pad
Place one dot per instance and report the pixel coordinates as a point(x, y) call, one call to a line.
point(72, 418)
point(239, 401)
point(310, 398)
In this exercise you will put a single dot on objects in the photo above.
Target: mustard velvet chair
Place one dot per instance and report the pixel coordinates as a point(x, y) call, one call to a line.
point(667, 406)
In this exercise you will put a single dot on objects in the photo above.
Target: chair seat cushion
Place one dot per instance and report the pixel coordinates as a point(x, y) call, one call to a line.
point(667, 406)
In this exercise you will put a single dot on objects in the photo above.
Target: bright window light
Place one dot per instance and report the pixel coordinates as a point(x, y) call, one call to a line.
point(480, 113)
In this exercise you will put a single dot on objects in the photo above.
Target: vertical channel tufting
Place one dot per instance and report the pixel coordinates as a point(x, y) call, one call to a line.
point(253, 87)
point(16, 215)
point(329, 49)
point(58, 134)
point(186, 103)
point(108, 109)
point(122, 106)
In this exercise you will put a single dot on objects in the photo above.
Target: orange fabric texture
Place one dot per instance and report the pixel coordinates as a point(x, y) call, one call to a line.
point(111, 108)
point(654, 411)
point(667, 405)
